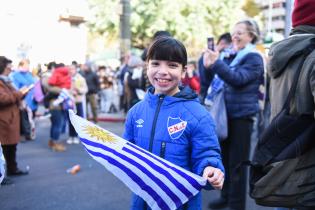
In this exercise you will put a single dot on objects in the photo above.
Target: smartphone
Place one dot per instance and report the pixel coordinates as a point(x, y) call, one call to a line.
point(210, 42)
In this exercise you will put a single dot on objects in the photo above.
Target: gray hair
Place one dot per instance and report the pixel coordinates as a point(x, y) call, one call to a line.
point(252, 28)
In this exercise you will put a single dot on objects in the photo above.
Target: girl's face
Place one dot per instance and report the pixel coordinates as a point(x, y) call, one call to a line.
point(165, 76)
point(240, 36)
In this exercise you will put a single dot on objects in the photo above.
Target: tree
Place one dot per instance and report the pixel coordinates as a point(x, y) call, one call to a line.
point(191, 21)
point(251, 8)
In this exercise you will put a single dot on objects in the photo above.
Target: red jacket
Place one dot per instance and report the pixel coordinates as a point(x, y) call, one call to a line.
point(61, 78)
point(193, 83)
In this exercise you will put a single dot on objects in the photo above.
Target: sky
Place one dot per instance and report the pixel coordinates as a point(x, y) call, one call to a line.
point(33, 25)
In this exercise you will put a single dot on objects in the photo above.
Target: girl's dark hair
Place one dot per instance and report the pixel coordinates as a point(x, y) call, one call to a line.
point(168, 49)
point(226, 36)
point(3, 63)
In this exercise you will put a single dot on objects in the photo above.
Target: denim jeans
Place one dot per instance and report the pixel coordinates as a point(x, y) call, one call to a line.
point(57, 122)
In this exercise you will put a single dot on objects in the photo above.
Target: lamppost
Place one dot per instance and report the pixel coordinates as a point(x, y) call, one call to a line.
point(125, 34)
point(288, 13)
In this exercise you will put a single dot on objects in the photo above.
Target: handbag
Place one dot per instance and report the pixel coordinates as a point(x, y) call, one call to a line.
point(38, 92)
point(218, 112)
point(25, 124)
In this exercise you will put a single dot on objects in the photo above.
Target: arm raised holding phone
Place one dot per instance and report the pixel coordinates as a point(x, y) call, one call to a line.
point(211, 54)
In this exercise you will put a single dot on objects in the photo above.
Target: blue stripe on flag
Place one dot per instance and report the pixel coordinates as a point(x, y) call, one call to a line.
point(180, 186)
point(174, 197)
point(191, 180)
point(132, 175)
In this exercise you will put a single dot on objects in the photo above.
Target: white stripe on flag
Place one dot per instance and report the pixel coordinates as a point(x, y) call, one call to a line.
point(137, 171)
point(178, 177)
point(160, 183)
point(162, 177)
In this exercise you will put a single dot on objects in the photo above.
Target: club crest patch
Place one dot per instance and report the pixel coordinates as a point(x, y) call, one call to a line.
point(176, 127)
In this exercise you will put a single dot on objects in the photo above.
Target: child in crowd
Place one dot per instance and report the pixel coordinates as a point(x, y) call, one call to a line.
point(191, 78)
point(61, 77)
point(171, 123)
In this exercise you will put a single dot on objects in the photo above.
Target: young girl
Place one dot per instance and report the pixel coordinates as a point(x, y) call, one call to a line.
point(171, 123)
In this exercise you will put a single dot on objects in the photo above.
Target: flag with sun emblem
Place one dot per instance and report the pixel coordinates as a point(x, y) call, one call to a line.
point(160, 183)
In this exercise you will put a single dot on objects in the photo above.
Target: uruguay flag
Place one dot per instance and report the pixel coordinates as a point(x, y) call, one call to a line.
point(160, 183)
point(1, 165)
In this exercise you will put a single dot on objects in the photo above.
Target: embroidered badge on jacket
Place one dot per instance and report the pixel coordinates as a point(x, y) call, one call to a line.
point(176, 127)
point(140, 123)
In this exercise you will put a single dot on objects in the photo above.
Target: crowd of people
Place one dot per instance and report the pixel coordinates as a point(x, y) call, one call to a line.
point(157, 82)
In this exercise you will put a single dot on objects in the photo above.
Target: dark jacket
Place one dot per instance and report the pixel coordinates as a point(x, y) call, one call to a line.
point(193, 148)
point(282, 69)
point(92, 81)
point(130, 87)
point(241, 85)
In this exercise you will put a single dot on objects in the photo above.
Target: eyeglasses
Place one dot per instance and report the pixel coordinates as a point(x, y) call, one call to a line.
point(239, 33)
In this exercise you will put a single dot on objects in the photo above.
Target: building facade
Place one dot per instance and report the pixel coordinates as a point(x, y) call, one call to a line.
point(277, 16)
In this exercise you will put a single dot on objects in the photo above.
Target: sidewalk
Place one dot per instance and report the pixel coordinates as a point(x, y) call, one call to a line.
point(119, 116)
point(112, 117)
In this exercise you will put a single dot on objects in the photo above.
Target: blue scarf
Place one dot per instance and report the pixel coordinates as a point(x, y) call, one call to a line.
point(217, 83)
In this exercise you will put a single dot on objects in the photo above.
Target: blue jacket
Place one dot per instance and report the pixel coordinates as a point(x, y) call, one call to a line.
point(21, 79)
point(241, 85)
point(195, 146)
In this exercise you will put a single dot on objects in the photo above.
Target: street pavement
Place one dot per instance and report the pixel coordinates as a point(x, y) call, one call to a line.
point(49, 187)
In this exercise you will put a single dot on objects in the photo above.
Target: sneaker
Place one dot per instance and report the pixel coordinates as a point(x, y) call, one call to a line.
point(57, 147)
point(76, 140)
point(218, 203)
point(50, 143)
point(45, 115)
point(17, 172)
point(70, 140)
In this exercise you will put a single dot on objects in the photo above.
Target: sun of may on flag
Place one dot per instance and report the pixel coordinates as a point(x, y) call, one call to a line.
point(160, 183)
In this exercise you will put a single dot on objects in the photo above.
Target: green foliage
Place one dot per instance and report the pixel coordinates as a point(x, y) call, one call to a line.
point(191, 21)
point(251, 8)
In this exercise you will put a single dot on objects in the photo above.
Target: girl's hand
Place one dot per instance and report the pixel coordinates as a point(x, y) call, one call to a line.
point(214, 176)
point(209, 57)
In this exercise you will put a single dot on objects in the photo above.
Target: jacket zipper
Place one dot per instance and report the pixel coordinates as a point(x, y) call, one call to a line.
point(161, 98)
point(157, 111)
point(163, 146)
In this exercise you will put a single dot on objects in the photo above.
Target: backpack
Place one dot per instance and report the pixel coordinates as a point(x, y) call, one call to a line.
point(282, 172)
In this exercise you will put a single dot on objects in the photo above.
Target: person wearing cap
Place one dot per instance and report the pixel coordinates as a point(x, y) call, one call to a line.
point(284, 58)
